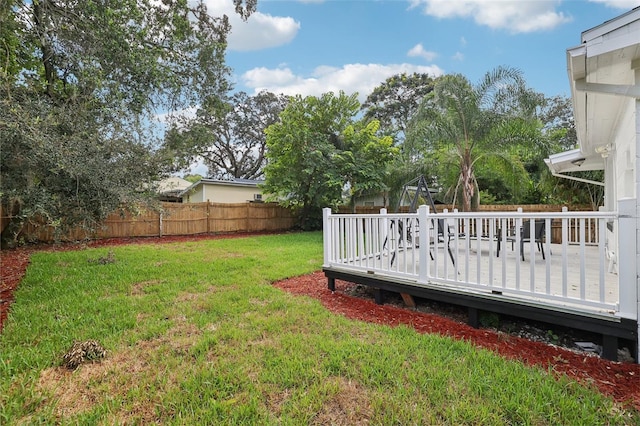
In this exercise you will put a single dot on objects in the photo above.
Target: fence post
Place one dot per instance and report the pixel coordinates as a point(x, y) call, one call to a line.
point(326, 235)
point(160, 224)
point(423, 265)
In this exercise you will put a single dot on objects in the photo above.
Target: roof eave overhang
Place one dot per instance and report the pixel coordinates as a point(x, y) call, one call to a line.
point(574, 161)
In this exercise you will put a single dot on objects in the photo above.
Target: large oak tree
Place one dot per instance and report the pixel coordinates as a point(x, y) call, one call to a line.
point(227, 136)
point(395, 101)
point(81, 82)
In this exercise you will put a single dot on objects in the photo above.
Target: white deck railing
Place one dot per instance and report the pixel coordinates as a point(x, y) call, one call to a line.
point(482, 252)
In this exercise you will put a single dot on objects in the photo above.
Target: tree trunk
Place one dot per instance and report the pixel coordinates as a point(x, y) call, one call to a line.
point(468, 188)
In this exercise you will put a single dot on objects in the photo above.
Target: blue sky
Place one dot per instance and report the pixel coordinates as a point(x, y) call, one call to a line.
point(309, 47)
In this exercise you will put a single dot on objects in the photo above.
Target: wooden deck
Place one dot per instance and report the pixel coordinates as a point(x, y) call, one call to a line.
point(575, 285)
point(464, 281)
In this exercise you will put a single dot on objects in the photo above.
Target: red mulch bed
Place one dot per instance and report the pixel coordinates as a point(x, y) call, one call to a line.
point(618, 380)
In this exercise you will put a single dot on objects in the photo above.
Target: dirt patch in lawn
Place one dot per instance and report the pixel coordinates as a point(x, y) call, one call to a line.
point(619, 380)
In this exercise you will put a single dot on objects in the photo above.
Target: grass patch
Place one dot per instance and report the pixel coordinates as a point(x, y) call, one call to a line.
point(195, 333)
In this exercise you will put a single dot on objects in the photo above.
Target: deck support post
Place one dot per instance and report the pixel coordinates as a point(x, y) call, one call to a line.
point(331, 284)
point(609, 347)
point(378, 295)
point(474, 317)
point(408, 300)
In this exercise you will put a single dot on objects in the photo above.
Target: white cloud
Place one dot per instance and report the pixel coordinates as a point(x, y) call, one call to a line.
point(458, 56)
point(350, 78)
point(619, 4)
point(522, 16)
point(419, 51)
point(260, 31)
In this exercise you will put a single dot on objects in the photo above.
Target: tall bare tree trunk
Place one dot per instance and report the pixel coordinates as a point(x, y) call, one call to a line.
point(468, 188)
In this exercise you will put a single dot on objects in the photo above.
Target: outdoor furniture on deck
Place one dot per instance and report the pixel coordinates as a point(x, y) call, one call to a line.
point(407, 236)
point(441, 238)
point(525, 236)
point(486, 236)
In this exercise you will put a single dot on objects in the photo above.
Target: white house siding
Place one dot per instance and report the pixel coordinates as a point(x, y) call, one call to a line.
point(230, 193)
point(625, 151)
point(197, 196)
point(636, 179)
point(221, 193)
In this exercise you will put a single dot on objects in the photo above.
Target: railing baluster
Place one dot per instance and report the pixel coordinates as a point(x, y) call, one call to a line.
point(532, 255)
point(467, 231)
point(478, 232)
point(503, 237)
point(547, 248)
point(519, 248)
point(602, 255)
point(565, 243)
point(583, 288)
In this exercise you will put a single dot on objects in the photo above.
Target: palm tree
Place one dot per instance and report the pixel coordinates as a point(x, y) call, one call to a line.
point(475, 123)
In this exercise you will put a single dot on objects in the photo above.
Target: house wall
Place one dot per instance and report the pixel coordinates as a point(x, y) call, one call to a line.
point(619, 170)
point(194, 196)
point(625, 152)
point(636, 179)
point(230, 194)
point(222, 194)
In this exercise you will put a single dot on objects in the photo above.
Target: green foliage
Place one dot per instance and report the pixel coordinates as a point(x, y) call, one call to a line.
point(192, 178)
point(12, 51)
point(81, 84)
point(489, 319)
point(396, 100)
point(316, 149)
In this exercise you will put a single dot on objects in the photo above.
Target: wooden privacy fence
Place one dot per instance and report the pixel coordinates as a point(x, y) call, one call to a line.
point(181, 219)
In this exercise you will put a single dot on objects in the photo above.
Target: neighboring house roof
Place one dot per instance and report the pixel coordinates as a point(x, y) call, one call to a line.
point(602, 79)
point(173, 185)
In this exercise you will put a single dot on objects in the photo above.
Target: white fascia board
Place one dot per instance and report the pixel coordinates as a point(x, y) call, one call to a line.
point(564, 161)
point(630, 38)
point(611, 25)
point(576, 64)
point(616, 34)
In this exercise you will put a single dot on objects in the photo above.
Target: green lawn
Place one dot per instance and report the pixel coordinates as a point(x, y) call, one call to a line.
point(196, 334)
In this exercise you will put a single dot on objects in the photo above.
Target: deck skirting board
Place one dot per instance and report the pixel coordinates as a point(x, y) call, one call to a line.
point(611, 328)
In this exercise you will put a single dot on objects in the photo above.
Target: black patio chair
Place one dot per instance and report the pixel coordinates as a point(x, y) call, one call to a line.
point(444, 236)
point(525, 236)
